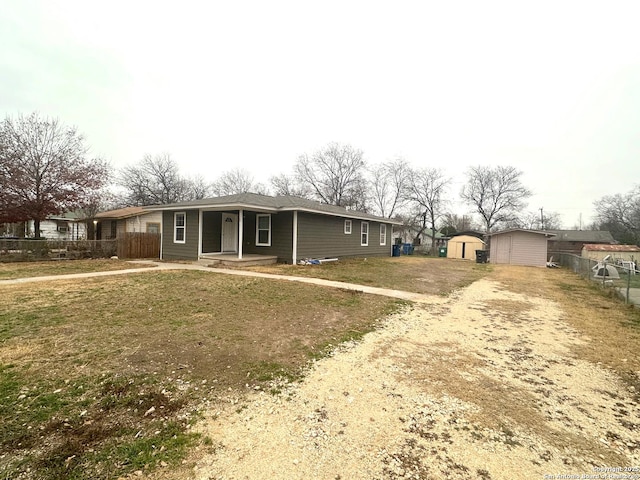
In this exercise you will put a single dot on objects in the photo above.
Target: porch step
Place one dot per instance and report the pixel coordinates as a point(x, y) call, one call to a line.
point(229, 261)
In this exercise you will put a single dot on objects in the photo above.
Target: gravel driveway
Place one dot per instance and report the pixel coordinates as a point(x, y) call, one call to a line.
point(481, 384)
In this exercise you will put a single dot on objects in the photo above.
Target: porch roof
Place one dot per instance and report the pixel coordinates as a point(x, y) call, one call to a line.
point(266, 203)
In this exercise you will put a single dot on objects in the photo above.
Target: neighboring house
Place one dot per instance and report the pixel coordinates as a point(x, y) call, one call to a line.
point(616, 252)
point(283, 227)
point(115, 223)
point(572, 241)
point(464, 245)
point(68, 226)
point(520, 247)
point(421, 240)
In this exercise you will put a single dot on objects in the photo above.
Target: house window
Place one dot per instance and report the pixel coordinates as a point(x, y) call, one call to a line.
point(383, 234)
point(153, 228)
point(364, 234)
point(347, 227)
point(263, 230)
point(180, 226)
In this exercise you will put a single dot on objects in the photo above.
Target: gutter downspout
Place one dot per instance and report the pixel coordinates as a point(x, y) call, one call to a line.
point(294, 250)
point(240, 233)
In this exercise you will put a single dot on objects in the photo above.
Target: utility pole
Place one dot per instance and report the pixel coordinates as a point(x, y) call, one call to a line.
point(541, 218)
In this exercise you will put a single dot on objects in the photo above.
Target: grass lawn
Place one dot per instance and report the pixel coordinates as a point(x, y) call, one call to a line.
point(412, 273)
point(104, 376)
point(13, 270)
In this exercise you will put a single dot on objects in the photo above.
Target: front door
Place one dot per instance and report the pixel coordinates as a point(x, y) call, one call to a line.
point(229, 232)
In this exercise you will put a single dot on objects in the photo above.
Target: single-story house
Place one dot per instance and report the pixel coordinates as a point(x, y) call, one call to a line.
point(284, 227)
point(67, 226)
point(114, 223)
point(616, 252)
point(518, 246)
point(572, 241)
point(464, 245)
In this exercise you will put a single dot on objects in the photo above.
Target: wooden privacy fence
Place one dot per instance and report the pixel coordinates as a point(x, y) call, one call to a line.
point(139, 245)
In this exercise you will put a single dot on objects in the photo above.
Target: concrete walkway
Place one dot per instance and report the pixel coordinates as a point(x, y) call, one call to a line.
point(161, 266)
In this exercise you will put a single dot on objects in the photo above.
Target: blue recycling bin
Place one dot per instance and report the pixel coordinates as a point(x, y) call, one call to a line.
point(407, 249)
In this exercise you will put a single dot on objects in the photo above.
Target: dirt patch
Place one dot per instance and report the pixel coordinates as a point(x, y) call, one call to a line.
point(498, 382)
point(417, 273)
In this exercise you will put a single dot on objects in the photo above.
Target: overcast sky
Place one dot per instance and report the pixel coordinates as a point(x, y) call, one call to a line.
point(552, 88)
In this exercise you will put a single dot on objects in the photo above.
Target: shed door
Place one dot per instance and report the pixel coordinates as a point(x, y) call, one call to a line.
point(503, 249)
point(229, 232)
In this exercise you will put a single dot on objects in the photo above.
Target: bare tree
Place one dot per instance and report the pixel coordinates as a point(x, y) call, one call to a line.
point(457, 223)
point(426, 191)
point(235, 181)
point(199, 188)
point(155, 181)
point(620, 214)
point(539, 220)
point(389, 185)
point(335, 175)
point(495, 193)
point(44, 169)
point(284, 184)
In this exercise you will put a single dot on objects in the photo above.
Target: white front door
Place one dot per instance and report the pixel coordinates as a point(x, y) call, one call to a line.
point(229, 232)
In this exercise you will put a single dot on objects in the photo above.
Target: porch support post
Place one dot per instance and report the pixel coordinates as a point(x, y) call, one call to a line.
point(294, 250)
point(200, 216)
point(240, 233)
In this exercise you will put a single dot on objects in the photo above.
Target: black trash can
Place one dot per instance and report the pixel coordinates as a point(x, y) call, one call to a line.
point(481, 256)
point(395, 251)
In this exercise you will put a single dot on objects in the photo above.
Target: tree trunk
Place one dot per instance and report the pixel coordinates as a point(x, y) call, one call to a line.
point(36, 227)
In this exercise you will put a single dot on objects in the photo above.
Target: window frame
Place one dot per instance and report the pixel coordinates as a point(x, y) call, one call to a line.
point(347, 231)
point(383, 236)
point(364, 236)
point(177, 227)
point(258, 230)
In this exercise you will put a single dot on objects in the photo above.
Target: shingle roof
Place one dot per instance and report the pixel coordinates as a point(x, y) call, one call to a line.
point(587, 236)
point(122, 212)
point(274, 204)
point(598, 247)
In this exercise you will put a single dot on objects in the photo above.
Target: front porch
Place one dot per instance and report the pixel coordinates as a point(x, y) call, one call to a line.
point(232, 260)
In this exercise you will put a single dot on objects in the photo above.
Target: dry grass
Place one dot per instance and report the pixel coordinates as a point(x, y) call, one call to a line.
point(414, 273)
point(612, 327)
point(83, 362)
point(13, 270)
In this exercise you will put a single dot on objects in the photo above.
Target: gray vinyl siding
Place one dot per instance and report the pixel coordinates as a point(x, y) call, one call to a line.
point(211, 232)
point(281, 236)
point(322, 236)
point(525, 249)
point(176, 251)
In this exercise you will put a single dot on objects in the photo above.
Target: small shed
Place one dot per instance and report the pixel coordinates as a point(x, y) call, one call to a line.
point(518, 246)
point(616, 252)
point(464, 247)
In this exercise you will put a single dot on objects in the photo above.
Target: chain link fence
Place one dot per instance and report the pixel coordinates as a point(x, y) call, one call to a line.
point(622, 276)
point(26, 250)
